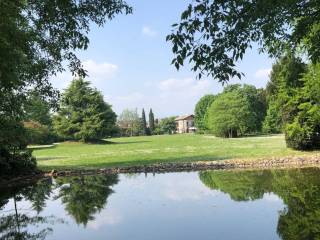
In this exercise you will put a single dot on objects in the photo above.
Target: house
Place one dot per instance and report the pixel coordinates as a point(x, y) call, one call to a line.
point(185, 124)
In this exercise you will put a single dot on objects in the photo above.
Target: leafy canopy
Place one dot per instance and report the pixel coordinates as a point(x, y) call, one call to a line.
point(239, 110)
point(215, 34)
point(83, 114)
point(201, 110)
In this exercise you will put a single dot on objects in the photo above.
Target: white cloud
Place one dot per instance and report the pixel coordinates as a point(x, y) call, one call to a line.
point(98, 73)
point(105, 217)
point(173, 96)
point(263, 73)
point(147, 31)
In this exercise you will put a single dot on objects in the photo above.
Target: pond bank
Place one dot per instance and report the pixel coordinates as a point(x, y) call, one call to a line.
point(279, 162)
point(262, 163)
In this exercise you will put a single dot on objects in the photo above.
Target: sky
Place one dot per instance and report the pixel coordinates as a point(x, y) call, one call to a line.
point(129, 61)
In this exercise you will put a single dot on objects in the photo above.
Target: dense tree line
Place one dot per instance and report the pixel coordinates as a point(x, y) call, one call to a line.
point(237, 111)
point(214, 35)
point(293, 102)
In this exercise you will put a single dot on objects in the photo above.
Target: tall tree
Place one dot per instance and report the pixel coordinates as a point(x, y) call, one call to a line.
point(129, 122)
point(201, 110)
point(83, 114)
point(239, 110)
point(214, 35)
point(36, 38)
point(144, 122)
point(151, 121)
point(285, 80)
point(303, 131)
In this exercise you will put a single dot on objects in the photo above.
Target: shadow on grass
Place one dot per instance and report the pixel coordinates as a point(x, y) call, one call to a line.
point(107, 142)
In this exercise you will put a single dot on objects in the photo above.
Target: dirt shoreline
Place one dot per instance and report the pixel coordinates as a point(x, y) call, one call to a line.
point(262, 163)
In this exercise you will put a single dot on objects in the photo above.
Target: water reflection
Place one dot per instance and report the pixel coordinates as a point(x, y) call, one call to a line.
point(298, 188)
point(202, 205)
point(15, 224)
point(86, 195)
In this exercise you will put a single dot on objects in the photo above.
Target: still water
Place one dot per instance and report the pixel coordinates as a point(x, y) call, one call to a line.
point(266, 204)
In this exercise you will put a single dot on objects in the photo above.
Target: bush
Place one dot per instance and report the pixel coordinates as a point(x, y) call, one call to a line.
point(304, 132)
point(15, 159)
point(38, 133)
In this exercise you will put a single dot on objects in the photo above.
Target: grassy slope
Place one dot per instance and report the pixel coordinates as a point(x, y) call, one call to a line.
point(167, 148)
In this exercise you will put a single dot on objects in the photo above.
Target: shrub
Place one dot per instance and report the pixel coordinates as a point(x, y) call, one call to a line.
point(14, 157)
point(37, 133)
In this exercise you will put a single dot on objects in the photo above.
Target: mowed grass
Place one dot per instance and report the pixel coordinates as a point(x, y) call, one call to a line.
point(157, 149)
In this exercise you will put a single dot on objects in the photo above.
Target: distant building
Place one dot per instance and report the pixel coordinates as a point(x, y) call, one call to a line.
point(185, 124)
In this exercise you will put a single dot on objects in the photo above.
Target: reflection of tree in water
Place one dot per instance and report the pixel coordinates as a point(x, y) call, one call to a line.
point(85, 195)
point(298, 188)
point(15, 225)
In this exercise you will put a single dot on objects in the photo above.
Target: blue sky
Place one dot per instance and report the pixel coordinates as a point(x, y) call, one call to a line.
point(128, 60)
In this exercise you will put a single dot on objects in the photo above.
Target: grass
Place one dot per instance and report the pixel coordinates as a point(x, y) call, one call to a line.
point(155, 149)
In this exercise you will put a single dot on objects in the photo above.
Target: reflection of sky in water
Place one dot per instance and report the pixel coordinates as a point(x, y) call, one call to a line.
point(169, 206)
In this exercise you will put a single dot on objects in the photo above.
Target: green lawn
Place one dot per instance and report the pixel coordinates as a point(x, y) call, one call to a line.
point(155, 149)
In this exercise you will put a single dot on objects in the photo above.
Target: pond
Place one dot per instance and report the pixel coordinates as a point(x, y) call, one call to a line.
point(264, 204)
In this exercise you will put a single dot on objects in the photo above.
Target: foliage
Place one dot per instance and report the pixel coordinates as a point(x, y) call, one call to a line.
point(37, 109)
point(214, 35)
point(37, 133)
point(144, 123)
point(84, 196)
point(14, 157)
point(83, 114)
point(304, 131)
point(273, 121)
point(130, 123)
point(167, 126)
point(285, 81)
point(151, 121)
point(201, 110)
point(237, 111)
point(36, 38)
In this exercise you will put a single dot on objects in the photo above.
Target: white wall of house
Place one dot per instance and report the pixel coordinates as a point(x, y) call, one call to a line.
point(183, 126)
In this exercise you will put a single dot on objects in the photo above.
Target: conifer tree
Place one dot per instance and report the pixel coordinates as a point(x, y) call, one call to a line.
point(151, 121)
point(144, 122)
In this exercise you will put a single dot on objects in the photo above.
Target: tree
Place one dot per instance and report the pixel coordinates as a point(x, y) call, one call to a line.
point(37, 109)
point(303, 132)
point(129, 122)
point(237, 111)
point(83, 114)
point(167, 125)
point(214, 35)
point(151, 121)
point(201, 110)
point(285, 80)
point(36, 38)
point(144, 123)
point(273, 121)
